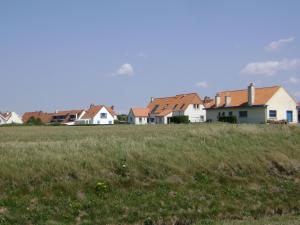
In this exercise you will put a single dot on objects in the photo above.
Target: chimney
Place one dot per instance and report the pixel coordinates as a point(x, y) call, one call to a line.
point(112, 107)
point(56, 111)
point(227, 101)
point(152, 99)
point(251, 94)
point(217, 100)
point(92, 105)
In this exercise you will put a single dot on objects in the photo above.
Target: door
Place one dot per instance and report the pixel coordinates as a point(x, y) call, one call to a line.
point(289, 116)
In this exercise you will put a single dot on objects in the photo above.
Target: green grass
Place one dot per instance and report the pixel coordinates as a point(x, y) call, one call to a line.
point(149, 174)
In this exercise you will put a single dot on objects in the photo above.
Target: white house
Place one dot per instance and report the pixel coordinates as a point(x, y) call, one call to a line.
point(298, 108)
point(10, 118)
point(138, 116)
point(97, 114)
point(253, 105)
point(162, 109)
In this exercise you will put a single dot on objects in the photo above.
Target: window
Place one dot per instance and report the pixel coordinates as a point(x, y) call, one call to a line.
point(195, 106)
point(243, 114)
point(103, 115)
point(230, 114)
point(98, 121)
point(223, 113)
point(272, 113)
point(140, 120)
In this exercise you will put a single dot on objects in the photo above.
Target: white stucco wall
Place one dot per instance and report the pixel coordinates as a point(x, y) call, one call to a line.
point(14, 118)
point(196, 115)
point(98, 120)
point(136, 120)
point(255, 114)
point(282, 102)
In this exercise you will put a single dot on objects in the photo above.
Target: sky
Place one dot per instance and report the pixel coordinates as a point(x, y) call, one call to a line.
point(67, 54)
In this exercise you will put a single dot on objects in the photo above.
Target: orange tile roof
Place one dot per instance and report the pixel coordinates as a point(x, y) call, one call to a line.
point(92, 111)
point(67, 112)
point(163, 106)
point(298, 104)
point(111, 111)
point(140, 112)
point(44, 117)
point(239, 98)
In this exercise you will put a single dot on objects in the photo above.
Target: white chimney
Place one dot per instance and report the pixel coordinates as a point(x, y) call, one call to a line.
point(251, 94)
point(217, 100)
point(152, 99)
point(227, 101)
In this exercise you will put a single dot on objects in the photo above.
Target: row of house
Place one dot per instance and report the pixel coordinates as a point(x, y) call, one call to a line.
point(250, 105)
point(96, 114)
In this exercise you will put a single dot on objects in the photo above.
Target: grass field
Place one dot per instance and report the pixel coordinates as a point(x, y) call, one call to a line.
point(174, 174)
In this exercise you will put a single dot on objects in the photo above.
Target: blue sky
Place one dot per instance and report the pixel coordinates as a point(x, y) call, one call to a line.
point(63, 54)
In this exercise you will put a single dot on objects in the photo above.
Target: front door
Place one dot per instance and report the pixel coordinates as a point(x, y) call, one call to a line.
point(289, 116)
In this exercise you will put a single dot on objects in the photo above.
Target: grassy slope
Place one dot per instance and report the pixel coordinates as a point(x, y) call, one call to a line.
point(126, 174)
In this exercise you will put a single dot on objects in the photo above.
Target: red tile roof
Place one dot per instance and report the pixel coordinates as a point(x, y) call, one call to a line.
point(44, 117)
point(140, 112)
point(163, 106)
point(239, 98)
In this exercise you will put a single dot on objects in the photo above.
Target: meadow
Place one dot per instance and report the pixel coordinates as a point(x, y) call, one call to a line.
point(164, 174)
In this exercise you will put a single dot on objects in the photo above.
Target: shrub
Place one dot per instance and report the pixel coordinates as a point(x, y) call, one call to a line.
point(34, 121)
point(228, 119)
point(179, 119)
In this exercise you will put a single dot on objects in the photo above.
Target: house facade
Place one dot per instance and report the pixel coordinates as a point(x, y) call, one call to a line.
point(298, 109)
point(10, 118)
point(162, 109)
point(97, 114)
point(138, 116)
point(253, 105)
point(67, 117)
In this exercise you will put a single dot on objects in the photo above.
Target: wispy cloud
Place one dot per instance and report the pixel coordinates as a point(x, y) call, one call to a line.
point(125, 70)
point(293, 80)
point(142, 55)
point(275, 45)
point(202, 84)
point(270, 68)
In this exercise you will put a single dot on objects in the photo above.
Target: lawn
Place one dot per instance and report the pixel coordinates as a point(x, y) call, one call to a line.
point(163, 174)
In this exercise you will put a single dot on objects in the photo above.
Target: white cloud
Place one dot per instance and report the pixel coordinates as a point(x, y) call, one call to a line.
point(269, 68)
point(202, 84)
point(125, 70)
point(275, 45)
point(293, 80)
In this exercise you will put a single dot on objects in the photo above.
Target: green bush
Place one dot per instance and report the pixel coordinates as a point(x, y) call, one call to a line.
point(179, 119)
point(228, 119)
point(34, 121)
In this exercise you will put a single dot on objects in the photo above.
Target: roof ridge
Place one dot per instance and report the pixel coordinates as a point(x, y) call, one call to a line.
point(246, 89)
point(174, 96)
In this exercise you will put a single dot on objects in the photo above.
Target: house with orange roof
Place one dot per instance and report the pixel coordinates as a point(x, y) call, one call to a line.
point(10, 118)
point(162, 109)
point(43, 116)
point(67, 117)
point(97, 114)
point(253, 105)
point(138, 116)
